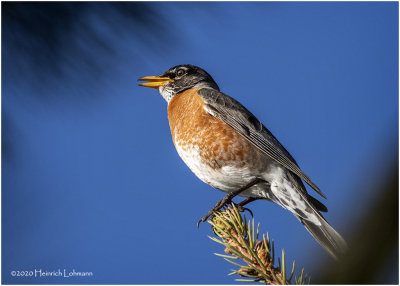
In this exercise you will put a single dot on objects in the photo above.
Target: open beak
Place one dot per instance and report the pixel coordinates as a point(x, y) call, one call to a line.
point(155, 81)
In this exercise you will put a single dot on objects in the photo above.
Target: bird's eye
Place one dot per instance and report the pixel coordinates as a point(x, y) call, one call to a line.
point(180, 72)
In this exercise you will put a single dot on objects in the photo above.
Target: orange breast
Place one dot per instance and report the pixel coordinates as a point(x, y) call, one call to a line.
point(203, 138)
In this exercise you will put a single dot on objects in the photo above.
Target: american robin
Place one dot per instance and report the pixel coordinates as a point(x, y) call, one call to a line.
point(228, 148)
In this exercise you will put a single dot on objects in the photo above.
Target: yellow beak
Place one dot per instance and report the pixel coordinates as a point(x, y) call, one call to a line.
point(155, 81)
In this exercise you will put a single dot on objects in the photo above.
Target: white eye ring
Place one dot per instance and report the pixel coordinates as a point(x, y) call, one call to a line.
point(180, 72)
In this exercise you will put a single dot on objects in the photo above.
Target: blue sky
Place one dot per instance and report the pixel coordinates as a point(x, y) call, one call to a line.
point(90, 177)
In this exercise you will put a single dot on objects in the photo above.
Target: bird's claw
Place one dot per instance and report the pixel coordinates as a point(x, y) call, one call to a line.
point(242, 210)
point(203, 219)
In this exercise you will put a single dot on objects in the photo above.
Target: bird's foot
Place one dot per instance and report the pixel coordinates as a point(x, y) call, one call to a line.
point(228, 199)
point(219, 205)
point(242, 210)
point(245, 202)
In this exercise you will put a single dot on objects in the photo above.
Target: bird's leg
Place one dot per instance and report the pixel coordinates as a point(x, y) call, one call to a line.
point(245, 202)
point(228, 198)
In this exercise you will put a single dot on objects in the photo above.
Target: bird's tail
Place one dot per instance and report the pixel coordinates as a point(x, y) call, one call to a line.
point(332, 241)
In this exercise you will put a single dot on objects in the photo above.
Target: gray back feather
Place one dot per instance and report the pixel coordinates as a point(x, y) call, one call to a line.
point(239, 118)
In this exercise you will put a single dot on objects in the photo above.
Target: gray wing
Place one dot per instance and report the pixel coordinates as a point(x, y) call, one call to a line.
point(239, 118)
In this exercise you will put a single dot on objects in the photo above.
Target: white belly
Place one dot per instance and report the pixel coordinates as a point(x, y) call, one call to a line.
point(226, 178)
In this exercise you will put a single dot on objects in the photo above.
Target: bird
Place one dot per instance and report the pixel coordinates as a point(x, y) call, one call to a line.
point(228, 148)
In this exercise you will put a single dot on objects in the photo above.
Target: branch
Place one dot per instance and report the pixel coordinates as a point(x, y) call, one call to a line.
point(241, 241)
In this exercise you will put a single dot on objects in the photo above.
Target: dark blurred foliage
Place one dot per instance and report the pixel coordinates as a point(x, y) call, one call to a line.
point(48, 46)
point(373, 255)
point(46, 41)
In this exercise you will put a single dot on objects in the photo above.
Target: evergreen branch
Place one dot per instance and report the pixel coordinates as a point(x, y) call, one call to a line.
point(241, 241)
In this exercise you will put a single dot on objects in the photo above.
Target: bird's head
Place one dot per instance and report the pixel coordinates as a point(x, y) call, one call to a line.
point(178, 79)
